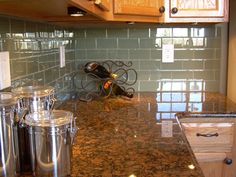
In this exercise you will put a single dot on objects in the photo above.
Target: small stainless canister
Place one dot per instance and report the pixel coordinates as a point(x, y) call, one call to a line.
point(35, 98)
point(9, 158)
point(51, 135)
point(30, 99)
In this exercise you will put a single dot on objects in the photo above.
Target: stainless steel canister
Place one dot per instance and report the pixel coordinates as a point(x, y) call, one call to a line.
point(35, 98)
point(51, 135)
point(31, 99)
point(9, 159)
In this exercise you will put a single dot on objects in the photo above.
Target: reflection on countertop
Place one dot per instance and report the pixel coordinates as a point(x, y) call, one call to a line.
point(122, 137)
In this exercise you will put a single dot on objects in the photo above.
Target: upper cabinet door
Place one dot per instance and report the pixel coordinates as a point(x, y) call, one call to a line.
point(137, 7)
point(198, 9)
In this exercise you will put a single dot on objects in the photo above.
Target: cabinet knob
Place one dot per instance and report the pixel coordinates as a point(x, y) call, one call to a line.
point(162, 9)
point(174, 10)
point(228, 161)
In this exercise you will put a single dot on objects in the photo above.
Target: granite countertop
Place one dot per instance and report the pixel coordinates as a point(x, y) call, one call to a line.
point(122, 137)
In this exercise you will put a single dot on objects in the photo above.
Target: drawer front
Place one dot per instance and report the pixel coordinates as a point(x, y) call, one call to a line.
point(213, 137)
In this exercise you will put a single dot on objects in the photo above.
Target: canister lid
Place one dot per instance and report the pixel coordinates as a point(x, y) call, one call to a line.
point(7, 99)
point(33, 91)
point(49, 118)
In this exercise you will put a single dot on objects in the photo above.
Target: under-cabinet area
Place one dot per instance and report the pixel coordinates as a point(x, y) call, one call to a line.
point(213, 143)
point(119, 11)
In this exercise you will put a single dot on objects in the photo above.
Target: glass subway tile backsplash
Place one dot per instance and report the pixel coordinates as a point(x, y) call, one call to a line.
point(34, 55)
point(197, 55)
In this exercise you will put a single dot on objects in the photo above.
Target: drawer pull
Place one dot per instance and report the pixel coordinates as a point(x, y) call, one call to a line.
point(207, 135)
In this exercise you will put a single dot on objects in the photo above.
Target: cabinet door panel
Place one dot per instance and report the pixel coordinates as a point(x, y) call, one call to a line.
point(199, 8)
point(137, 7)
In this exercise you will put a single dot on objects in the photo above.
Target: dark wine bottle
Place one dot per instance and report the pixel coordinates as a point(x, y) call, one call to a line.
point(98, 70)
point(116, 89)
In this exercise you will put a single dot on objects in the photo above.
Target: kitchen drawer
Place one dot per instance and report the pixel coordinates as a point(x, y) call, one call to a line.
point(209, 137)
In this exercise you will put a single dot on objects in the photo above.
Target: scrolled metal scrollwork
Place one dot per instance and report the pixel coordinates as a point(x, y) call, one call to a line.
point(89, 86)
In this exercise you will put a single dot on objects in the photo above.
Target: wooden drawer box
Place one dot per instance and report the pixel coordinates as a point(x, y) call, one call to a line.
point(209, 137)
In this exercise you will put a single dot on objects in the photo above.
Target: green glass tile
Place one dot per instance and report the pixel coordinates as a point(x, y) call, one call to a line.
point(149, 65)
point(144, 75)
point(140, 54)
point(51, 74)
point(177, 65)
point(204, 54)
point(217, 75)
point(95, 33)
point(161, 32)
point(218, 53)
point(149, 86)
point(18, 68)
point(62, 71)
point(17, 28)
point(150, 43)
point(205, 75)
point(32, 65)
point(138, 33)
point(210, 31)
point(117, 33)
point(79, 33)
point(156, 54)
point(4, 26)
point(47, 61)
point(183, 54)
point(155, 75)
point(213, 42)
point(212, 64)
point(96, 54)
point(118, 54)
point(182, 75)
point(80, 54)
point(39, 78)
point(128, 43)
point(107, 43)
point(212, 86)
point(180, 32)
point(165, 75)
point(192, 65)
point(167, 40)
point(85, 43)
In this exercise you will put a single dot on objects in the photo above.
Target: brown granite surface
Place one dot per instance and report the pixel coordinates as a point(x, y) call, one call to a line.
point(120, 137)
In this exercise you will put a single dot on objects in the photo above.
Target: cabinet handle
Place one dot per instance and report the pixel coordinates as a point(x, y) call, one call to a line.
point(207, 135)
point(228, 161)
point(174, 10)
point(162, 9)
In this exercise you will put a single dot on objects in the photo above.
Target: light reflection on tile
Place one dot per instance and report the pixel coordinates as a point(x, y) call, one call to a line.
point(164, 107)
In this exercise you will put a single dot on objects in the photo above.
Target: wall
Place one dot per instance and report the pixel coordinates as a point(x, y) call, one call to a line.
point(34, 55)
point(197, 55)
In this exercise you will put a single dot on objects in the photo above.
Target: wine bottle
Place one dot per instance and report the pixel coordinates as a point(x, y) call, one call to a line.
point(116, 89)
point(98, 70)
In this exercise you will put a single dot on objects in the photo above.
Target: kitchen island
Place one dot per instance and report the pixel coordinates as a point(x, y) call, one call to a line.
point(123, 137)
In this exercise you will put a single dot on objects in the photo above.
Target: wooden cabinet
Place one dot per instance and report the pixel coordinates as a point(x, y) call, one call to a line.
point(138, 7)
point(209, 137)
point(108, 11)
point(212, 143)
point(197, 11)
point(103, 4)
